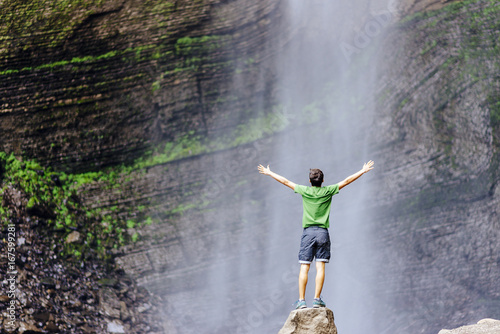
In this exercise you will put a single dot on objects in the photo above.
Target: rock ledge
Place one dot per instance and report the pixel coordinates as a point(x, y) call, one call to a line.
point(485, 326)
point(309, 321)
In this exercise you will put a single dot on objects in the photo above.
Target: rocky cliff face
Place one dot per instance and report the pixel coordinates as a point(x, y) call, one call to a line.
point(438, 199)
point(112, 99)
point(135, 102)
point(101, 83)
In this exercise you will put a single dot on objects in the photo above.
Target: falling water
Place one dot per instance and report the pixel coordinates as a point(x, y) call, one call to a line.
point(325, 89)
point(327, 78)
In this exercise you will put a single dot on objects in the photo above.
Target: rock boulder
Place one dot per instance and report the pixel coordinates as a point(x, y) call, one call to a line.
point(309, 321)
point(485, 326)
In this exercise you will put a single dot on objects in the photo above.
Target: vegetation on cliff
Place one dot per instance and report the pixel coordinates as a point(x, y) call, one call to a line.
point(52, 199)
point(46, 23)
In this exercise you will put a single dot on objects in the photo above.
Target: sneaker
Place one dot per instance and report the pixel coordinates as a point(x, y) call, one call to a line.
point(300, 304)
point(318, 303)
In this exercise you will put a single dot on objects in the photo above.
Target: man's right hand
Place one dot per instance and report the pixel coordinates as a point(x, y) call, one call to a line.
point(368, 166)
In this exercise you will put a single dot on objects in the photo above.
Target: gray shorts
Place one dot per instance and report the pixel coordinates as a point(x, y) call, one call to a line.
point(315, 243)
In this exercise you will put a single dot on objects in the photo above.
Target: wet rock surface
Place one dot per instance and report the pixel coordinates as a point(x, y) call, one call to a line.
point(131, 77)
point(54, 295)
point(437, 223)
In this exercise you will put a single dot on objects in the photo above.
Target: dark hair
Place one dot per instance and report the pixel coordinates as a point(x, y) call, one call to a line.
point(316, 177)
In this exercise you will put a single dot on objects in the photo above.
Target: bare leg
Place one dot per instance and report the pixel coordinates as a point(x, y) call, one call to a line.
point(320, 278)
point(304, 271)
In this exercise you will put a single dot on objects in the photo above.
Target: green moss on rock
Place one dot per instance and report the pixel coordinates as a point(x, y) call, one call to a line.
point(48, 21)
point(54, 197)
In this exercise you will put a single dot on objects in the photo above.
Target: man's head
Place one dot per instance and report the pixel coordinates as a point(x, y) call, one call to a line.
point(316, 177)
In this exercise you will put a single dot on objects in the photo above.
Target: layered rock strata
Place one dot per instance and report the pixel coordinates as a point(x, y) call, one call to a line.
point(121, 77)
point(438, 146)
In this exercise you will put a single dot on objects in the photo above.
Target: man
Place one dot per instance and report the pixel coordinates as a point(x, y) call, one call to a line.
point(315, 242)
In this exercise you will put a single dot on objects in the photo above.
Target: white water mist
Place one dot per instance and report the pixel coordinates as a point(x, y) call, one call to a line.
point(325, 74)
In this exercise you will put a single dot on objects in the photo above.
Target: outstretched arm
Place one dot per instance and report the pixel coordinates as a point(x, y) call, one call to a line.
point(279, 178)
point(366, 168)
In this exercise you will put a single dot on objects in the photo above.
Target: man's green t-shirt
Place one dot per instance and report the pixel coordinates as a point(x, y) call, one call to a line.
point(317, 202)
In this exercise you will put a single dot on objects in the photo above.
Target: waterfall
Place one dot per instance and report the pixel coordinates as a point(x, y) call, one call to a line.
point(324, 90)
point(327, 76)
